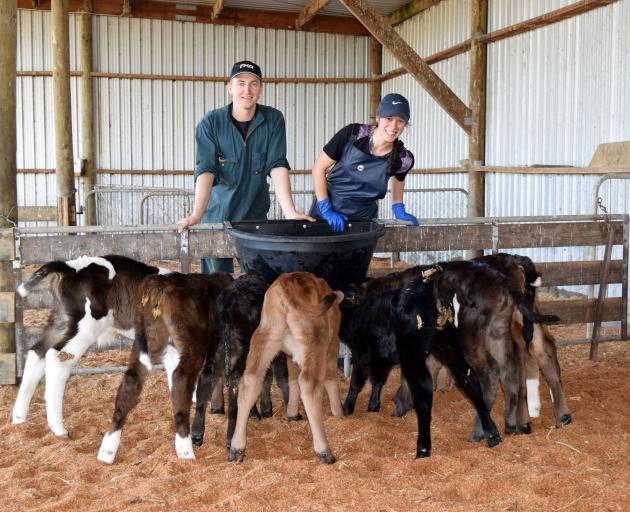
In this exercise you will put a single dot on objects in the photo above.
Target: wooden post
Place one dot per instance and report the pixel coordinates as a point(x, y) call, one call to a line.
point(477, 102)
point(8, 187)
point(66, 206)
point(376, 68)
point(87, 113)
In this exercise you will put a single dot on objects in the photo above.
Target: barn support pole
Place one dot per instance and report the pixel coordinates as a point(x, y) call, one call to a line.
point(477, 103)
point(8, 187)
point(376, 68)
point(66, 205)
point(87, 113)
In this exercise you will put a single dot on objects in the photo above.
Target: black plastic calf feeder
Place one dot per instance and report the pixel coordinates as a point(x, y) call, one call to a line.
point(272, 247)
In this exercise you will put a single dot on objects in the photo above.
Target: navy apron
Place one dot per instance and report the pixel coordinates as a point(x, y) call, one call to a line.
point(355, 183)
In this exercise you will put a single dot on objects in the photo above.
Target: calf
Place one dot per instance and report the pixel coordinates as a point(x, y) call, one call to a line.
point(541, 345)
point(484, 302)
point(300, 316)
point(238, 312)
point(404, 326)
point(175, 320)
point(93, 296)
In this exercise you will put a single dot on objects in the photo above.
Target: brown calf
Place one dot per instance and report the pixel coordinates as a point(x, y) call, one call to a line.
point(300, 316)
point(175, 320)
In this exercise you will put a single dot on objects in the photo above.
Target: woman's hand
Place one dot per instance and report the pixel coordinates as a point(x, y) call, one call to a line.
point(334, 219)
point(400, 214)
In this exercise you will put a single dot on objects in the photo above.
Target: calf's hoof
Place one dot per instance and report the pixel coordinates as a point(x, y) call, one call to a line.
point(217, 410)
point(493, 440)
point(253, 413)
point(348, 410)
point(197, 439)
point(421, 453)
point(475, 437)
point(564, 420)
point(267, 413)
point(374, 408)
point(297, 417)
point(326, 458)
point(526, 428)
point(236, 455)
point(510, 430)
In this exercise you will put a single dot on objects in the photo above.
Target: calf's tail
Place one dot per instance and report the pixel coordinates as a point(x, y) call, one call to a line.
point(52, 267)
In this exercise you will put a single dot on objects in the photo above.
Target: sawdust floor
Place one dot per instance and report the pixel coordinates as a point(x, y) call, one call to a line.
point(584, 466)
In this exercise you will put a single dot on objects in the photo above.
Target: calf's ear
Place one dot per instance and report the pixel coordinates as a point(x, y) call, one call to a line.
point(339, 295)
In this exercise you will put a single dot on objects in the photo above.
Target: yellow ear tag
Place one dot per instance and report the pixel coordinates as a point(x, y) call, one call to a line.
point(420, 322)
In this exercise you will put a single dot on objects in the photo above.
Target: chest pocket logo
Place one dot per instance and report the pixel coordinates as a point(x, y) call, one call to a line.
point(221, 159)
point(360, 167)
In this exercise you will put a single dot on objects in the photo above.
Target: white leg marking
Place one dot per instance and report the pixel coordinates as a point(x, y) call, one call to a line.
point(84, 261)
point(171, 360)
point(59, 364)
point(22, 290)
point(533, 398)
point(184, 447)
point(33, 372)
point(109, 447)
point(146, 361)
point(456, 307)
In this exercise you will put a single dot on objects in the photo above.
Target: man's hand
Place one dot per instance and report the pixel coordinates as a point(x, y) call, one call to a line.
point(295, 215)
point(186, 222)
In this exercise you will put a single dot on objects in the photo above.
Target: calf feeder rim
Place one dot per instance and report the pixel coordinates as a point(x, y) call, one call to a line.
point(272, 247)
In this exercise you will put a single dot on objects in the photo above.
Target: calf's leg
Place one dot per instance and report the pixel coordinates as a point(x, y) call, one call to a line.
point(126, 399)
point(33, 373)
point(265, 344)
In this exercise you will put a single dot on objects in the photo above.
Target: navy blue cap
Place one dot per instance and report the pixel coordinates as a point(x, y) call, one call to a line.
point(246, 66)
point(394, 105)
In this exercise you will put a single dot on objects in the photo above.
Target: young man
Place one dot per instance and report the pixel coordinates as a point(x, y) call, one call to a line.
point(238, 146)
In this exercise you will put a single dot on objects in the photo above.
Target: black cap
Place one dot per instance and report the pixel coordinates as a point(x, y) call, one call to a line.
point(394, 105)
point(246, 66)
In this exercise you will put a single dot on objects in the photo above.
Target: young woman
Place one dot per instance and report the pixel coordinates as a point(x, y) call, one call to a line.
point(362, 158)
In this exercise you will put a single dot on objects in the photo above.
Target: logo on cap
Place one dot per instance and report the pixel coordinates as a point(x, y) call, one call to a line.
point(246, 66)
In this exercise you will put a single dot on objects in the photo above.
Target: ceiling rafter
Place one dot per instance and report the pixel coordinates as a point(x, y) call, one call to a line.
point(410, 9)
point(217, 9)
point(378, 26)
point(309, 11)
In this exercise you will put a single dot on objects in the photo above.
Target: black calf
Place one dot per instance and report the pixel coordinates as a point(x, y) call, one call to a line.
point(404, 326)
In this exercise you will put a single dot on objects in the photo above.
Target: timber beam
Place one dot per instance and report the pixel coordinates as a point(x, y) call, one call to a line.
point(309, 12)
point(378, 26)
point(148, 9)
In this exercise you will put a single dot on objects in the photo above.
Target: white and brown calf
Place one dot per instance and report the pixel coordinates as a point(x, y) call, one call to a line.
point(94, 296)
point(175, 321)
point(300, 316)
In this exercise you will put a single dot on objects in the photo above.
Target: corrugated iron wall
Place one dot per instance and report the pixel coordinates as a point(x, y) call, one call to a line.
point(149, 124)
point(553, 95)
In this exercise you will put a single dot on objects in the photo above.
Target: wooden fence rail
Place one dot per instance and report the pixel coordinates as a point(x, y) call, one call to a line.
point(34, 246)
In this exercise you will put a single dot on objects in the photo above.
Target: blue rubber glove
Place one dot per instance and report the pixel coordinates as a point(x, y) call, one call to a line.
point(401, 214)
point(334, 219)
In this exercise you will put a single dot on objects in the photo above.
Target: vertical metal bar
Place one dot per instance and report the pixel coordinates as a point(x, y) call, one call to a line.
point(184, 255)
point(603, 285)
